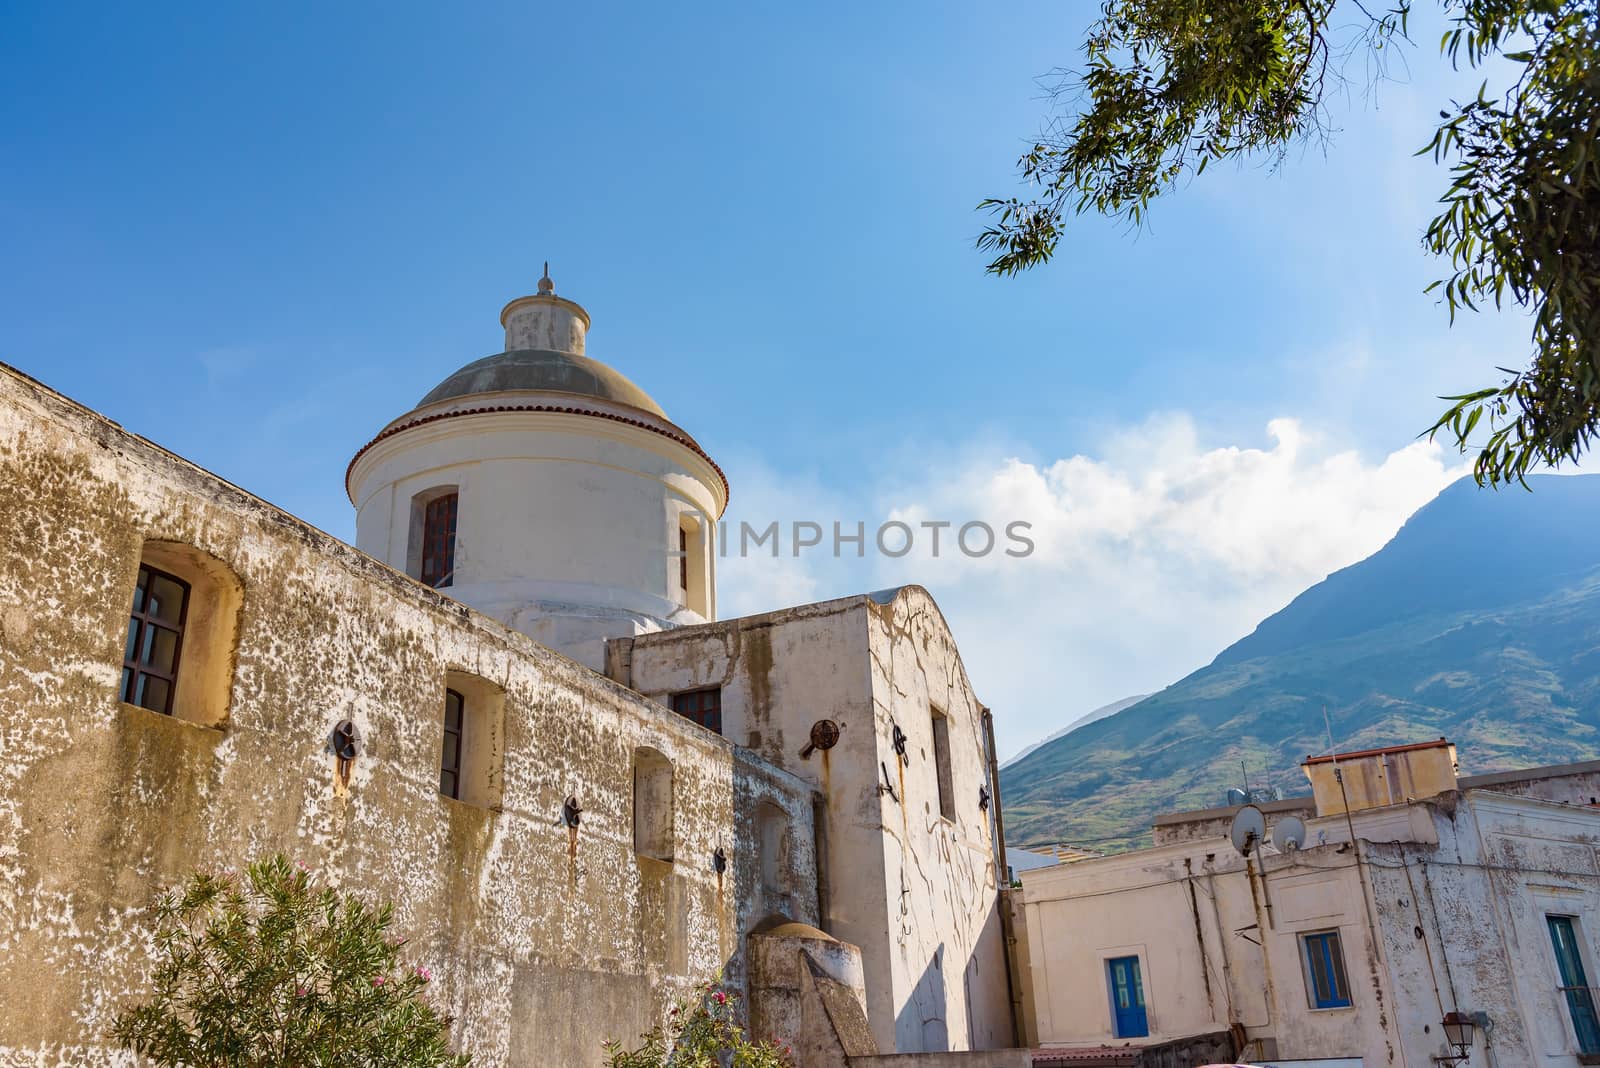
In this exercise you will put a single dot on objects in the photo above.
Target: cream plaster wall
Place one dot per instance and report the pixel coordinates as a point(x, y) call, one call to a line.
point(917, 893)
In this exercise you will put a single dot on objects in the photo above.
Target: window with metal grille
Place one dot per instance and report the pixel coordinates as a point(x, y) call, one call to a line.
point(155, 638)
point(1324, 963)
point(439, 541)
point(702, 706)
point(455, 722)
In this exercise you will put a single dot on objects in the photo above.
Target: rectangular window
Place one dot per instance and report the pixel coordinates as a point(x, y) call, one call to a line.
point(155, 637)
point(439, 541)
point(1324, 963)
point(1575, 982)
point(683, 559)
point(455, 722)
point(941, 759)
point(1127, 997)
point(702, 706)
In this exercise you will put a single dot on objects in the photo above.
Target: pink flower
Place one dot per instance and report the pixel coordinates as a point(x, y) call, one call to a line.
point(299, 991)
point(301, 865)
point(424, 973)
point(720, 997)
point(378, 981)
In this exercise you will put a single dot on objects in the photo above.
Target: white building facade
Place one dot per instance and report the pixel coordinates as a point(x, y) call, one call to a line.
point(1480, 901)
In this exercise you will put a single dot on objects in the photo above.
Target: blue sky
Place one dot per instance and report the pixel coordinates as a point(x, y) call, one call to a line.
point(292, 224)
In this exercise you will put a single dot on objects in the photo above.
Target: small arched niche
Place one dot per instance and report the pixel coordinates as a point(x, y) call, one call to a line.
point(652, 804)
point(774, 844)
point(182, 634)
point(471, 753)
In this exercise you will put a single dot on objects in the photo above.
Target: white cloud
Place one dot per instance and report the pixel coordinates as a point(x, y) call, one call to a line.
point(1150, 558)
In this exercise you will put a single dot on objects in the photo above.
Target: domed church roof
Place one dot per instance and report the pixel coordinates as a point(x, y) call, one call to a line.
point(543, 369)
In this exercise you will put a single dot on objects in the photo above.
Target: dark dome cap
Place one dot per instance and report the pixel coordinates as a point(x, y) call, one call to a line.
point(543, 370)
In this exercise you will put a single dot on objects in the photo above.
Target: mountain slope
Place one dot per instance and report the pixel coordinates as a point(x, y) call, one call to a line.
point(1479, 621)
point(1082, 721)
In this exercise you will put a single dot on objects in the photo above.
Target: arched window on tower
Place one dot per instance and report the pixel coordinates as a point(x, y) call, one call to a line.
point(689, 565)
point(431, 550)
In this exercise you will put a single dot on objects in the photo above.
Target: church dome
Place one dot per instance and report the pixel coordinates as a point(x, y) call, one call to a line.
point(547, 371)
point(545, 489)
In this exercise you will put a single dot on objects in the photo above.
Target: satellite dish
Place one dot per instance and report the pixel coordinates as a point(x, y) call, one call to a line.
point(1248, 830)
point(1289, 834)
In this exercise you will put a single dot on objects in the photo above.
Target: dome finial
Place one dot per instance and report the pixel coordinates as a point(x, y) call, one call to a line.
point(546, 286)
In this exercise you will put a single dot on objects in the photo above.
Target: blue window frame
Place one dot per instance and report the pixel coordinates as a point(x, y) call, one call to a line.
point(1575, 982)
point(1127, 997)
point(1325, 978)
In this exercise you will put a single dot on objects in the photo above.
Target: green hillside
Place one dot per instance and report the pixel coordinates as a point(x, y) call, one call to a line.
point(1479, 621)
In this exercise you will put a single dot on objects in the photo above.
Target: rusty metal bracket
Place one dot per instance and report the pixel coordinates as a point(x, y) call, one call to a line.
point(888, 784)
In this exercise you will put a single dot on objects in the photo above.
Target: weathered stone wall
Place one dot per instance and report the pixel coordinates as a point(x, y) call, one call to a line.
point(1573, 784)
point(916, 891)
point(1006, 1058)
point(542, 940)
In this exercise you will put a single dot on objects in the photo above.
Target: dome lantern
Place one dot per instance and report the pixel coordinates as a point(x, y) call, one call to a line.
point(545, 321)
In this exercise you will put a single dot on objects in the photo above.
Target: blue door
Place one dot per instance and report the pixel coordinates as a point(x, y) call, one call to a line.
point(1127, 997)
point(1574, 983)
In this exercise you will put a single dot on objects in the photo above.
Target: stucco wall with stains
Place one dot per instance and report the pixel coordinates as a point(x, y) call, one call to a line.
point(543, 939)
point(913, 888)
point(1481, 901)
point(1447, 911)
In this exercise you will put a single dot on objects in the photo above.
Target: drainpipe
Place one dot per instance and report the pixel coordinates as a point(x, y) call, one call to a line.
point(994, 801)
point(1262, 927)
point(1199, 937)
point(1234, 1018)
point(1001, 882)
point(819, 848)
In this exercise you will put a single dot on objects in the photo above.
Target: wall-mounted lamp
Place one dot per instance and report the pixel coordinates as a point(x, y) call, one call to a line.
point(571, 814)
point(344, 742)
point(719, 860)
point(1460, 1030)
point(824, 736)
